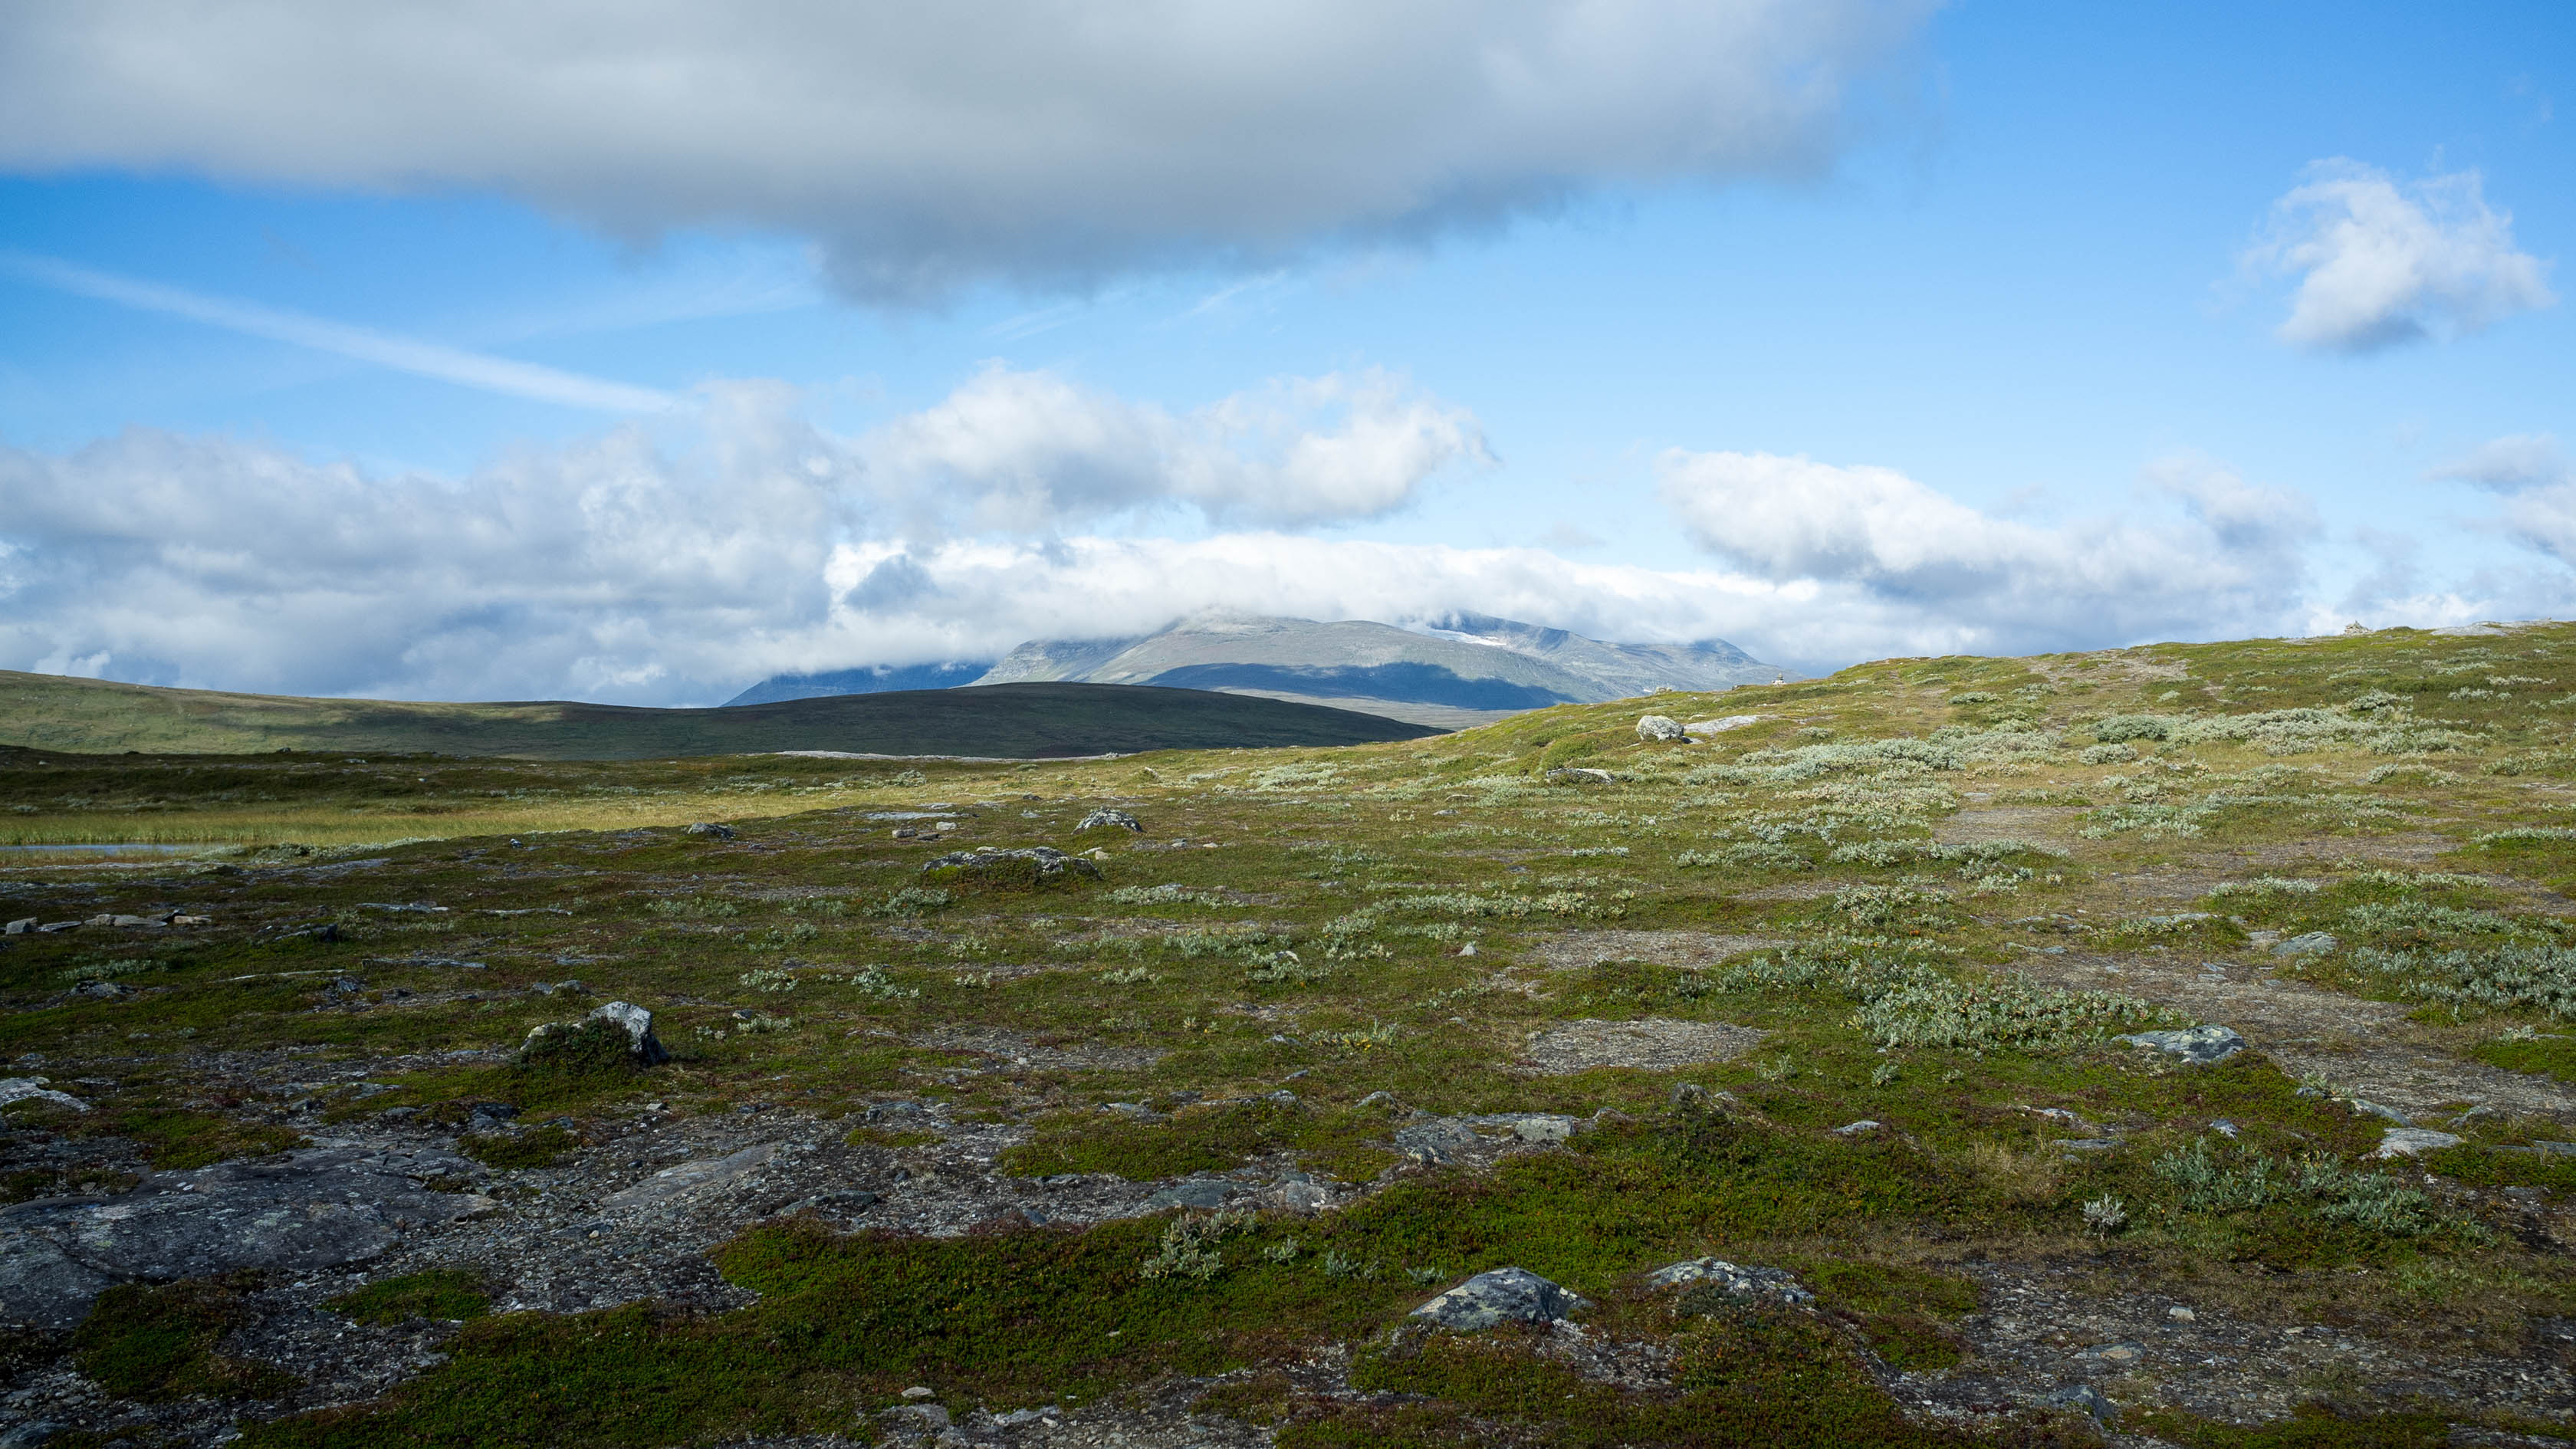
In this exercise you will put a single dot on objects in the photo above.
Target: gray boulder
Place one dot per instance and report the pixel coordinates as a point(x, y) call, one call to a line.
point(23, 926)
point(1745, 1284)
point(2192, 1044)
point(1580, 775)
point(33, 1089)
point(2314, 943)
point(1658, 727)
point(634, 1020)
point(1502, 1295)
point(1105, 818)
point(1050, 861)
point(710, 830)
point(315, 1209)
point(638, 1025)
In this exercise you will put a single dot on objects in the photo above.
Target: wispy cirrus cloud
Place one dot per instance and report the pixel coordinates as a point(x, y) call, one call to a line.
point(364, 344)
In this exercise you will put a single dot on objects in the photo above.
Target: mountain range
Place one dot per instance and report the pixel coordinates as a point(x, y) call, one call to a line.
point(1450, 673)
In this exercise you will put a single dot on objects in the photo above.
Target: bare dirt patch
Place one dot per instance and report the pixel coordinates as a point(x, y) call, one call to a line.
point(2367, 1048)
point(1575, 950)
point(1653, 1044)
point(2052, 823)
point(1000, 1050)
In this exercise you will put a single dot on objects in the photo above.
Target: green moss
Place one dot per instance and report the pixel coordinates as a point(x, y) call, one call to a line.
point(1744, 1377)
point(178, 1140)
point(590, 1049)
point(2552, 1055)
point(2310, 1426)
point(536, 1147)
point(1261, 1399)
point(449, 1293)
point(156, 1343)
point(1207, 1138)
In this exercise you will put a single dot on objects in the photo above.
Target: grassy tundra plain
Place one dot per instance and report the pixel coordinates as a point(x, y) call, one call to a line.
point(1370, 1020)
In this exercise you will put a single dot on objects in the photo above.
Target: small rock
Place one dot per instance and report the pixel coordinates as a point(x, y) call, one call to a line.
point(710, 830)
point(1050, 861)
point(1749, 1284)
point(920, 1391)
point(2120, 1355)
point(1580, 775)
point(2383, 1113)
point(2083, 1398)
point(1434, 1140)
point(2407, 1141)
point(1854, 1129)
point(1501, 1295)
point(1300, 1197)
point(1660, 727)
point(2314, 943)
point(1105, 818)
point(2198, 1044)
point(2180, 1314)
point(23, 1089)
point(1196, 1193)
point(2222, 1127)
point(22, 927)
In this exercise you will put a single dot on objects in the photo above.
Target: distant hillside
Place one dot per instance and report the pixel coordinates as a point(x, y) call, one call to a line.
point(879, 680)
point(1462, 670)
point(1022, 721)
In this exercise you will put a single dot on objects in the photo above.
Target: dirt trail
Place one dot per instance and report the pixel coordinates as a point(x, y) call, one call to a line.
point(2366, 1048)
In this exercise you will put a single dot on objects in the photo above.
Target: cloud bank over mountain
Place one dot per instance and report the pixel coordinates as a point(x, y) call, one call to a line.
point(674, 566)
point(927, 148)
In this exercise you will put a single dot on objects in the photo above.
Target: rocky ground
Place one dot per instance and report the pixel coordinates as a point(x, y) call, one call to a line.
point(1184, 1086)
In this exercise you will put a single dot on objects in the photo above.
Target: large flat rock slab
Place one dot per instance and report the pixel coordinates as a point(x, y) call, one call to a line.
point(313, 1209)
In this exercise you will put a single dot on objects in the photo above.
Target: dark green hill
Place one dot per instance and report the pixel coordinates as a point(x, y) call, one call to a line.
point(1017, 721)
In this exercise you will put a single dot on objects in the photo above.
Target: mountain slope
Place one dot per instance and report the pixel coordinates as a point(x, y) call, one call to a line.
point(779, 688)
point(1465, 669)
point(1026, 721)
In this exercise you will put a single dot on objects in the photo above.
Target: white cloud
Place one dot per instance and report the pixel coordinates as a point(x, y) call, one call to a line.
point(1029, 450)
point(1044, 142)
point(624, 567)
point(2539, 484)
point(2512, 463)
point(2383, 262)
point(2232, 563)
point(404, 354)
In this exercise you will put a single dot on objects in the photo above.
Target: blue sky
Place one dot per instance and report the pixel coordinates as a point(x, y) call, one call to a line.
point(1838, 331)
